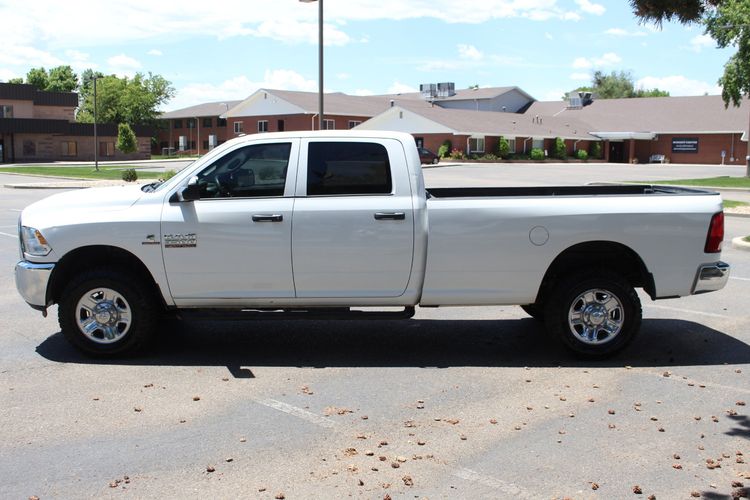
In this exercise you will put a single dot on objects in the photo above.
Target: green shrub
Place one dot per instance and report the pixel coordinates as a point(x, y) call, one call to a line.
point(537, 154)
point(445, 149)
point(168, 175)
point(126, 139)
point(490, 157)
point(457, 154)
point(503, 148)
point(595, 151)
point(560, 151)
point(581, 154)
point(129, 175)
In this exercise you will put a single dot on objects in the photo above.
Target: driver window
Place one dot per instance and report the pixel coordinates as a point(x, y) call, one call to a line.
point(258, 170)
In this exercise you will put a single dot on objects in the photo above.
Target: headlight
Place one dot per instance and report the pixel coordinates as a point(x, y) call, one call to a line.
point(33, 243)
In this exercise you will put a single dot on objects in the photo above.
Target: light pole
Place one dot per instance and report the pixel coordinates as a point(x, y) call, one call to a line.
point(96, 137)
point(320, 60)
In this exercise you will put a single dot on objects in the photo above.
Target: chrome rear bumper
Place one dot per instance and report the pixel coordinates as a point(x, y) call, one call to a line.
point(711, 277)
point(31, 282)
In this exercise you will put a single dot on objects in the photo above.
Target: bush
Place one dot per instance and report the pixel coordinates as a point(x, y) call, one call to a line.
point(489, 157)
point(581, 154)
point(537, 154)
point(457, 154)
point(126, 140)
point(595, 151)
point(129, 175)
point(503, 148)
point(444, 149)
point(560, 151)
point(168, 175)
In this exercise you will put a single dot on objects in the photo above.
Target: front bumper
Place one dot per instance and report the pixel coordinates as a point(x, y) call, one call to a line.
point(711, 277)
point(31, 282)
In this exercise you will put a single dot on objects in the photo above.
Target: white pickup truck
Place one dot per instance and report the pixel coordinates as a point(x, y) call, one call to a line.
point(278, 225)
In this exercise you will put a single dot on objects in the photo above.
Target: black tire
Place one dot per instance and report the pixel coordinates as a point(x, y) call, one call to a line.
point(130, 305)
point(435, 160)
point(610, 314)
point(536, 311)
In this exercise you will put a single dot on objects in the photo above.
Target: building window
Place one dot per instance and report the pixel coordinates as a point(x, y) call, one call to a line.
point(191, 123)
point(329, 125)
point(221, 122)
point(69, 148)
point(279, 125)
point(29, 148)
point(177, 124)
point(511, 144)
point(6, 111)
point(262, 126)
point(192, 145)
point(106, 149)
point(476, 145)
point(205, 145)
point(537, 143)
point(208, 122)
point(354, 123)
point(237, 127)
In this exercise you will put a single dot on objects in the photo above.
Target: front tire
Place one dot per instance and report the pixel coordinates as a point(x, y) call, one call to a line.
point(595, 313)
point(107, 313)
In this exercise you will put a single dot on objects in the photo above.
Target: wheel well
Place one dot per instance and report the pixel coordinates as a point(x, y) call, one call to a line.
point(85, 258)
point(598, 254)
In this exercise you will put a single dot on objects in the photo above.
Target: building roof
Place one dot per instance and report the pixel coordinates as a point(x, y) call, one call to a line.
point(686, 114)
point(480, 123)
point(200, 110)
point(25, 92)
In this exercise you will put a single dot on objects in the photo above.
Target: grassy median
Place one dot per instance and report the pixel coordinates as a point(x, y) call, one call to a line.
point(716, 182)
point(104, 173)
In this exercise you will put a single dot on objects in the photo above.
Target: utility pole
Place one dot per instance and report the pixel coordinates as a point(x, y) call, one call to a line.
point(96, 137)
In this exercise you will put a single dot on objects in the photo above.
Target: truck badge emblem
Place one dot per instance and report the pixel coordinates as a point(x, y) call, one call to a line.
point(189, 240)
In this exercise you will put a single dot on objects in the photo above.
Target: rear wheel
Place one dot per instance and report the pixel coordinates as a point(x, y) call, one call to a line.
point(595, 313)
point(107, 313)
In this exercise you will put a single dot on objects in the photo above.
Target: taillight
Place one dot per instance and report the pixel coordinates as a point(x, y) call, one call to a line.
point(715, 233)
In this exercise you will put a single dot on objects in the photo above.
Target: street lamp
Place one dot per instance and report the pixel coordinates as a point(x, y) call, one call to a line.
point(320, 60)
point(96, 137)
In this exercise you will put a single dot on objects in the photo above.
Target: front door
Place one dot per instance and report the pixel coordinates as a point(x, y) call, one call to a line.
point(353, 233)
point(233, 243)
point(616, 152)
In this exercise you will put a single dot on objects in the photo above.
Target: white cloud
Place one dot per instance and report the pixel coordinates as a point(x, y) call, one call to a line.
point(590, 7)
point(6, 74)
point(469, 52)
point(605, 60)
point(343, 76)
point(155, 52)
point(553, 95)
point(291, 31)
point(700, 42)
point(27, 56)
point(623, 32)
point(548, 36)
point(678, 85)
point(401, 88)
point(123, 65)
point(363, 92)
point(240, 87)
point(580, 76)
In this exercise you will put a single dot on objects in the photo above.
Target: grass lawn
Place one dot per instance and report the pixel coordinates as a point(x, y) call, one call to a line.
point(717, 182)
point(734, 204)
point(105, 173)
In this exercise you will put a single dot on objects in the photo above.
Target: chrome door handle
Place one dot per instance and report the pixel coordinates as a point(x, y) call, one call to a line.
point(268, 218)
point(390, 216)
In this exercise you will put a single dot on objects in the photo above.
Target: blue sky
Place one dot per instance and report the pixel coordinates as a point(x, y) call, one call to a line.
point(221, 50)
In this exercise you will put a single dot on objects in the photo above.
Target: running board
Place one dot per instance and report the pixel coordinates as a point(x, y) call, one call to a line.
point(319, 313)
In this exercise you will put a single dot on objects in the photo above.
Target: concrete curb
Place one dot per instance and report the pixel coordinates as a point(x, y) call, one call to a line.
point(740, 244)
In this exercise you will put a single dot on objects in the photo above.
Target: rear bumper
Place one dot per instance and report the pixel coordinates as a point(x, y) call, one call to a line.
point(31, 282)
point(711, 277)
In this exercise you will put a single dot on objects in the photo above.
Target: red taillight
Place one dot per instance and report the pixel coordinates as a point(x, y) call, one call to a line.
point(715, 234)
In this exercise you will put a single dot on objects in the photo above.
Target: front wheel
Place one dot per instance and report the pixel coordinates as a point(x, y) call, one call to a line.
point(595, 313)
point(107, 313)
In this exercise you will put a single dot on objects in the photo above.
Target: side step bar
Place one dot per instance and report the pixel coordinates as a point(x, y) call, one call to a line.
point(312, 313)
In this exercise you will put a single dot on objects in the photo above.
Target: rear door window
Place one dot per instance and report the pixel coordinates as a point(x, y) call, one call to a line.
point(348, 168)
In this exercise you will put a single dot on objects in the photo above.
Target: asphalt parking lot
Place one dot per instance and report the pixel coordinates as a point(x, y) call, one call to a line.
point(456, 403)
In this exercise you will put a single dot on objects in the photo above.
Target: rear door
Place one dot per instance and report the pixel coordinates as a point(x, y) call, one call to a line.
point(353, 230)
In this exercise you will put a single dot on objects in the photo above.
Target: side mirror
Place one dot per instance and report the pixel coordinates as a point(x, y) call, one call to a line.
point(192, 191)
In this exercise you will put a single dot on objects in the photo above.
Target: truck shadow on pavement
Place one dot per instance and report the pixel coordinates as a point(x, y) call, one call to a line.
point(413, 343)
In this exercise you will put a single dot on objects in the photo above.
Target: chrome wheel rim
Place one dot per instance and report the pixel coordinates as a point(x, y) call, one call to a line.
point(103, 315)
point(596, 316)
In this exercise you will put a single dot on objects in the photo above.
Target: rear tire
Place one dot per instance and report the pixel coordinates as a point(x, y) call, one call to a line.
point(536, 311)
point(107, 313)
point(594, 313)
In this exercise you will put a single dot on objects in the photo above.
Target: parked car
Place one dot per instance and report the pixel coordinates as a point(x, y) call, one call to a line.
point(428, 157)
point(322, 224)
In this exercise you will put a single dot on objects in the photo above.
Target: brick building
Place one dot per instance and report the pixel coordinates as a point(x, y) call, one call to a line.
point(40, 126)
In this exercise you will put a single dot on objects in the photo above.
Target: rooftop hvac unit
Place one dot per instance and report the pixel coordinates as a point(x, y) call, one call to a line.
point(428, 90)
point(446, 89)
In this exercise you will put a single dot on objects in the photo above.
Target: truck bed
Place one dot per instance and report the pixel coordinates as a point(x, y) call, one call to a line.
point(591, 190)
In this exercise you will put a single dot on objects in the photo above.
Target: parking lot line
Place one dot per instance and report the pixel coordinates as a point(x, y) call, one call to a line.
point(9, 235)
point(738, 278)
point(297, 412)
point(687, 311)
point(508, 488)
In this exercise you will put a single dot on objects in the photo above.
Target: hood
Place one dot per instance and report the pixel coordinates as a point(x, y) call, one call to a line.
point(80, 203)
